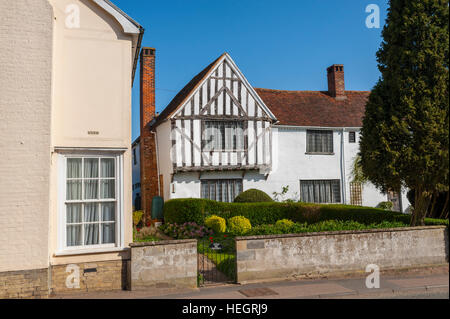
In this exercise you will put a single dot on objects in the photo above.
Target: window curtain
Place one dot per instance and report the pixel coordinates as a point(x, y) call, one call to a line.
point(222, 135)
point(320, 191)
point(91, 185)
point(318, 141)
point(108, 228)
point(107, 186)
point(91, 230)
point(73, 232)
point(73, 190)
point(222, 190)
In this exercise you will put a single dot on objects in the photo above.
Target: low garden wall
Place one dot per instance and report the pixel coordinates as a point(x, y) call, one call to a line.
point(163, 264)
point(287, 256)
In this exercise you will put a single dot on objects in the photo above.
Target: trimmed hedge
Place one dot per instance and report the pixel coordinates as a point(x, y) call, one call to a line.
point(196, 210)
point(253, 196)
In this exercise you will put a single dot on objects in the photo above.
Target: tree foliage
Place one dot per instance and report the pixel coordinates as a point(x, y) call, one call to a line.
point(404, 139)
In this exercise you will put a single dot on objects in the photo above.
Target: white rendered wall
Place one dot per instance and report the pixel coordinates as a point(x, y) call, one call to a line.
point(290, 165)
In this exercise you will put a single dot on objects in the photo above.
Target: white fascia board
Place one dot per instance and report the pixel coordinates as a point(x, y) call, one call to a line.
point(128, 25)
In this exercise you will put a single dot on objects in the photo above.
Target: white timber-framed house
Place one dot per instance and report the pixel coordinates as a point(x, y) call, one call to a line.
point(219, 136)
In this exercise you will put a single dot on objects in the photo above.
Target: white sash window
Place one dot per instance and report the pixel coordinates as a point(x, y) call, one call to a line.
point(90, 210)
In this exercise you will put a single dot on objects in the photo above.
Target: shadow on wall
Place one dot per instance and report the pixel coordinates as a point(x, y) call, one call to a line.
point(106, 17)
point(446, 245)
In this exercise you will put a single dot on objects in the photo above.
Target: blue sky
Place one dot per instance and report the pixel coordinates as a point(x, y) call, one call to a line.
point(284, 44)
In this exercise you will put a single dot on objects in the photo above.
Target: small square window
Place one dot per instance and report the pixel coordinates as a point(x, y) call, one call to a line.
point(352, 137)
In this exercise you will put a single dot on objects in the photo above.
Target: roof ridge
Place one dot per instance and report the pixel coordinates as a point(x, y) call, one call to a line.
point(309, 91)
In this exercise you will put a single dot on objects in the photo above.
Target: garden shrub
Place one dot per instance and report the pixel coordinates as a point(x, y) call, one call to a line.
point(216, 223)
point(386, 205)
point(197, 210)
point(239, 225)
point(188, 230)
point(137, 217)
point(284, 223)
point(253, 196)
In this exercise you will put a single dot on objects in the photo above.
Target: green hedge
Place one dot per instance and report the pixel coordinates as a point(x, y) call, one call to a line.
point(196, 210)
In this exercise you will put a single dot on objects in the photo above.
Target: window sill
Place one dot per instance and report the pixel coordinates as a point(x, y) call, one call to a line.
point(318, 153)
point(64, 253)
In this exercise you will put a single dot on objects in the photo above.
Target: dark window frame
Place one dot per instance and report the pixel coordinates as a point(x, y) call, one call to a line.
point(334, 189)
point(320, 142)
point(352, 137)
point(206, 144)
point(209, 183)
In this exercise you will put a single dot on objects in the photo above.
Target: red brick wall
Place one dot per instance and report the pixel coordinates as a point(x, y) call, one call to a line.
point(336, 83)
point(149, 169)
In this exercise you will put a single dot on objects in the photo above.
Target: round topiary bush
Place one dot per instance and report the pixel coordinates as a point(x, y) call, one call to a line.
point(216, 223)
point(284, 223)
point(253, 196)
point(239, 225)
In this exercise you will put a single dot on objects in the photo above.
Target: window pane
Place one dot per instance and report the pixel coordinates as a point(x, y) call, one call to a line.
point(108, 233)
point(91, 234)
point(73, 235)
point(320, 191)
point(91, 167)
point(224, 190)
point(107, 167)
point(223, 135)
point(91, 212)
point(91, 189)
point(319, 141)
point(73, 213)
point(108, 211)
point(73, 191)
point(107, 188)
point(205, 190)
point(74, 168)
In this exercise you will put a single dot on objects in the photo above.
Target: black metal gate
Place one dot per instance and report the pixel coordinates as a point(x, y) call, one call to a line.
point(216, 261)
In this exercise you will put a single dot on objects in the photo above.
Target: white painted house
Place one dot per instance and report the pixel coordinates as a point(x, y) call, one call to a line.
point(220, 136)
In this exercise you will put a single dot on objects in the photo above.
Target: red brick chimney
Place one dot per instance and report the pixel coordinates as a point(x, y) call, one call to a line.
point(336, 83)
point(149, 168)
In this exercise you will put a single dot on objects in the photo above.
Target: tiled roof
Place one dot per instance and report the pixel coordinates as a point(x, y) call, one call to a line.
point(315, 108)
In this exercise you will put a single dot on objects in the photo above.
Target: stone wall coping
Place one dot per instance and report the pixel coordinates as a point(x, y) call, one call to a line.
point(163, 242)
point(341, 232)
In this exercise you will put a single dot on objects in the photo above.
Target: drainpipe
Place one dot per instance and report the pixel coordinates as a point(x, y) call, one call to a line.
point(157, 160)
point(343, 174)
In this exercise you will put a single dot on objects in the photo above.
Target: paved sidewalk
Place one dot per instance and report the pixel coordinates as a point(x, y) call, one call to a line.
point(414, 282)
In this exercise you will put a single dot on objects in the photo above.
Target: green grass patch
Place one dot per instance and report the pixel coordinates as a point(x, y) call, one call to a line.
point(224, 259)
